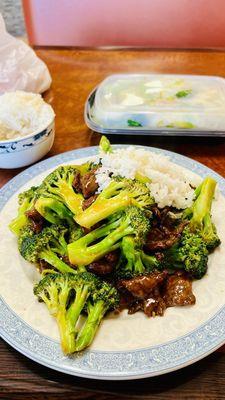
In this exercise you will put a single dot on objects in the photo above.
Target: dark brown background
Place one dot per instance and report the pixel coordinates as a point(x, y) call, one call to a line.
point(75, 73)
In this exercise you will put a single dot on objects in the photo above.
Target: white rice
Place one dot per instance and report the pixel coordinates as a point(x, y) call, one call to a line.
point(170, 183)
point(22, 113)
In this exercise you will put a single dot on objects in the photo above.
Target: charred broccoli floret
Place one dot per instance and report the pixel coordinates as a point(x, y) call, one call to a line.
point(26, 203)
point(67, 296)
point(48, 245)
point(120, 193)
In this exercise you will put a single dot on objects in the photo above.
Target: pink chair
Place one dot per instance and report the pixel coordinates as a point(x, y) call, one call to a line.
point(151, 23)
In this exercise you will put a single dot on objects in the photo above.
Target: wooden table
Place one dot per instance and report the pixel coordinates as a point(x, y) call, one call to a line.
point(75, 73)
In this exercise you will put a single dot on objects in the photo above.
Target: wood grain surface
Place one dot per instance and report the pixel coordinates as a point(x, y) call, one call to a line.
point(75, 73)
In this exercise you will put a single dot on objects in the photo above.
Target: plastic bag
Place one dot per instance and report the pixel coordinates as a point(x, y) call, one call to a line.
point(20, 68)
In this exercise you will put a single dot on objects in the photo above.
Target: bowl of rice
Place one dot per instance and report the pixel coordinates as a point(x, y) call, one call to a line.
point(27, 128)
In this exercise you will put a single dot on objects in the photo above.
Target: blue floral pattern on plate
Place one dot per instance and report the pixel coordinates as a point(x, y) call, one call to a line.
point(116, 365)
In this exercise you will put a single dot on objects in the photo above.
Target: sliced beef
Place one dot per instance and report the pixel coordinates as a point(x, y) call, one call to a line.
point(126, 299)
point(86, 230)
point(86, 203)
point(100, 268)
point(166, 216)
point(76, 182)
point(151, 307)
point(162, 238)
point(112, 257)
point(156, 213)
point(142, 286)
point(88, 184)
point(105, 265)
point(135, 306)
point(154, 306)
point(178, 291)
point(36, 219)
point(153, 293)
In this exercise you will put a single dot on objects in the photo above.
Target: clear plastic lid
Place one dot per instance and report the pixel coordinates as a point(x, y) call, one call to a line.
point(155, 102)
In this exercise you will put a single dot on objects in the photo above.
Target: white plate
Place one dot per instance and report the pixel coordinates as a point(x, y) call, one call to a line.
point(126, 347)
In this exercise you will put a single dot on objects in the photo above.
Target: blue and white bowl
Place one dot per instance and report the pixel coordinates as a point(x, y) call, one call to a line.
point(19, 152)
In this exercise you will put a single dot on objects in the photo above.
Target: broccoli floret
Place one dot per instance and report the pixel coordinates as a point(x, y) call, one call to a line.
point(75, 232)
point(190, 254)
point(134, 261)
point(53, 210)
point(48, 245)
point(58, 185)
point(119, 194)
point(67, 296)
point(209, 234)
point(132, 221)
point(104, 145)
point(200, 214)
point(104, 299)
point(26, 202)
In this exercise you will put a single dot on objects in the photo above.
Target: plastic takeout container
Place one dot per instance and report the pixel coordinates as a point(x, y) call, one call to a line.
point(158, 104)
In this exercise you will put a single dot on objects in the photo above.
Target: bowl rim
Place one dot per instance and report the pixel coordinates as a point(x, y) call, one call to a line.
point(20, 139)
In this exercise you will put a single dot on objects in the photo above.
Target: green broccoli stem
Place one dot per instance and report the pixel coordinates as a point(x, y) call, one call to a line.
point(139, 267)
point(80, 253)
point(88, 331)
point(18, 223)
point(73, 200)
point(118, 195)
point(66, 334)
point(203, 203)
point(132, 255)
point(76, 307)
point(103, 208)
point(51, 258)
point(67, 320)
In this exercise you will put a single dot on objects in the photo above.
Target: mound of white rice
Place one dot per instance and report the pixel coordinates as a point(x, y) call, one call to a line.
point(171, 185)
point(22, 113)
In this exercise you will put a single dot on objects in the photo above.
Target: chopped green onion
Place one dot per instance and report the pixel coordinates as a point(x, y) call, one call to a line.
point(131, 122)
point(183, 93)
